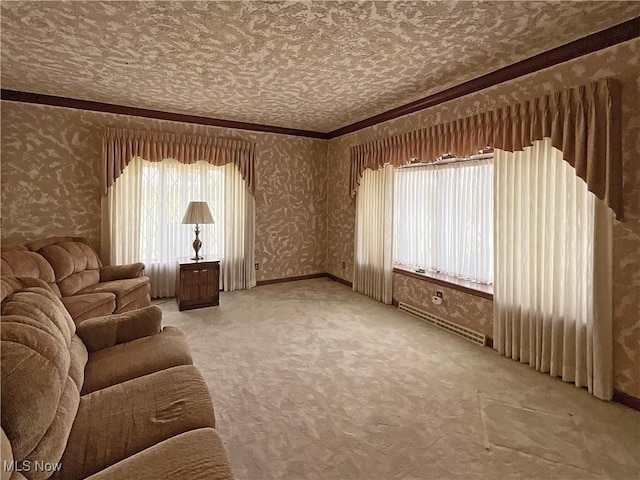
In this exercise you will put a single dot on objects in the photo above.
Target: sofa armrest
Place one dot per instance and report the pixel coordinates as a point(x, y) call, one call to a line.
point(121, 272)
point(103, 332)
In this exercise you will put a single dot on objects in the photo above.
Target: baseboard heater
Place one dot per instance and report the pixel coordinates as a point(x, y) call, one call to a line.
point(464, 332)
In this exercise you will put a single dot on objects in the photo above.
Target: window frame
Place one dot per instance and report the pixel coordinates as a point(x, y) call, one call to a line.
point(436, 277)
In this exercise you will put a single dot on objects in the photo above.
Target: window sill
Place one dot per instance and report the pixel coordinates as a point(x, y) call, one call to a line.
point(477, 289)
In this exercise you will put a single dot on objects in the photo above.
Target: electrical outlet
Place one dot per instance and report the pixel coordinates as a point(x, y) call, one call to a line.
point(439, 293)
point(343, 265)
point(257, 266)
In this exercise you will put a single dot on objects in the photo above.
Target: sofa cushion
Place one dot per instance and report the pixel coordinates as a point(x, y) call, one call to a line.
point(195, 455)
point(126, 291)
point(119, 421)
point(139, 302)
point(108, 331)
point(23, 263)
point(79, 357)
point(84, 306)
point(134, 359)
point(43, 242)
point(20, 262)
point(75, 264)
point(119, 272)
point(11, 248)
point(42, 367)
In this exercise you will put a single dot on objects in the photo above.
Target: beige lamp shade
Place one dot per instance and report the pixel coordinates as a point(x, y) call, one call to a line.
point(197, 213)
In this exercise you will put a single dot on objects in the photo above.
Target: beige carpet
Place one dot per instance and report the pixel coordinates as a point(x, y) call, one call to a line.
point(310, 380)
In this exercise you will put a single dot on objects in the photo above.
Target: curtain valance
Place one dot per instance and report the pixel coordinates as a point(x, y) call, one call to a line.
point(119, 146)
point(582, 122)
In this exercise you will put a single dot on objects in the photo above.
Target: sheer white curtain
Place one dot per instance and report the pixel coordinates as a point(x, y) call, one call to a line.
point(373, 254)
point(444, 219)
point(552, 292)
point(145, 209)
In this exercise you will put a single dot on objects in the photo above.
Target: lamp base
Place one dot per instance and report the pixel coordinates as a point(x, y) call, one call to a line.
point(197, 244)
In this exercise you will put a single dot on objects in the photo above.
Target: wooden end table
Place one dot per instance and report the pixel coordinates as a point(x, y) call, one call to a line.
point(198, 283)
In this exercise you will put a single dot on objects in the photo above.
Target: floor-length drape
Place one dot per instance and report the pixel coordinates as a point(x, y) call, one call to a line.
point(145, 207)
point(120, 226)
point(239, 232)
point(373, 256)
point(552, 290)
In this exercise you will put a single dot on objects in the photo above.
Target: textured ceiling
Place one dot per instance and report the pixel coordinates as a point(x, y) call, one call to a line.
point(308, 65)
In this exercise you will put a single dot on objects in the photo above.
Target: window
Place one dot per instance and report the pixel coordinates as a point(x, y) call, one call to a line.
point(147, 204)
point(167, 189)
point(443, 219)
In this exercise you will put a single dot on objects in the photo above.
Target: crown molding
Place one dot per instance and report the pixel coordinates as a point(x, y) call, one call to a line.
point(65, 102)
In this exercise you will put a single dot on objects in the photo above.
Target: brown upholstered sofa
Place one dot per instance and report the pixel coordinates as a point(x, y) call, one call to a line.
point(76, 275)
point(115, 397)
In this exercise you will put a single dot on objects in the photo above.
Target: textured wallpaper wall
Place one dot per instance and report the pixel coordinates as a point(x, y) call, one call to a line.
point(51, 164)
point(470, 311)
point(622, 62)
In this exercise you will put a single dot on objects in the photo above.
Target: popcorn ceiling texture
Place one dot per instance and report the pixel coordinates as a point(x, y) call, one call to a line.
point(308, 65)
point(51, 167)
point(622, 62)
